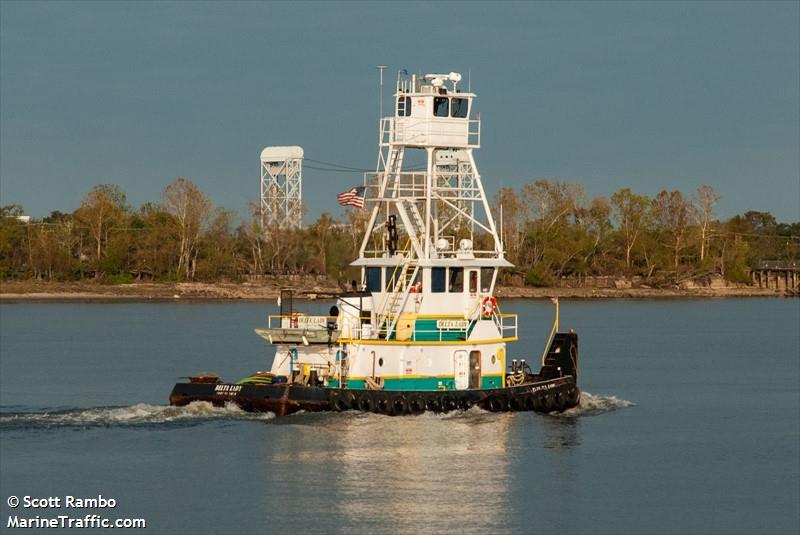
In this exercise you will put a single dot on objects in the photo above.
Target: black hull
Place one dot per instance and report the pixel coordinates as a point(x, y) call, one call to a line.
point(542, 396)
point(554, 388)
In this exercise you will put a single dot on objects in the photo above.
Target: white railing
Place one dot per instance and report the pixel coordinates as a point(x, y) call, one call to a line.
point(408, 185)
point(355, 328)
point(508, 325)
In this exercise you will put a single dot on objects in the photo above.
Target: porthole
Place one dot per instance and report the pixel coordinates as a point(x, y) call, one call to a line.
point(494, 359)
point(380, 361)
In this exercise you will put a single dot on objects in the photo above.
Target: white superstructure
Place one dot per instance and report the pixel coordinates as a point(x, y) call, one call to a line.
point(425, 317)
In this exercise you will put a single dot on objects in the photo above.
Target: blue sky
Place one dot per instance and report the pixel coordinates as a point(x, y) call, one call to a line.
point(650, 96)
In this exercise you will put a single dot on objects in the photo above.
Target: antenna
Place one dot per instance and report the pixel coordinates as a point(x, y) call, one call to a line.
point(380, 108)
point(502, 235)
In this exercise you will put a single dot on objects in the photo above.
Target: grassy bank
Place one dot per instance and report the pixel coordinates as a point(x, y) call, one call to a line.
point(32, 290)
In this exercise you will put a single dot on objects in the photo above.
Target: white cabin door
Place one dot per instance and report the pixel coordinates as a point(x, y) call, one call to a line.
point(461, 370)
point(471, 291)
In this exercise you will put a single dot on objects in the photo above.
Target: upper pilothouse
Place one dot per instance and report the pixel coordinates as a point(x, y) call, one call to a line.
point(428, 113)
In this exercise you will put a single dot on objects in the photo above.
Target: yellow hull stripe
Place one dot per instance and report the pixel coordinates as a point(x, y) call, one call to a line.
point(424, 343)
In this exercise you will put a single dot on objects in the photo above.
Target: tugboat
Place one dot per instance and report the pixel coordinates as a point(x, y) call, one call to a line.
point(423, 330)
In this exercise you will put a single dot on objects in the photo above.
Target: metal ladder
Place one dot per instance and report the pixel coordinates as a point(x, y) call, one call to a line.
point(397, 301)
point(413, 223)
point(396, 298)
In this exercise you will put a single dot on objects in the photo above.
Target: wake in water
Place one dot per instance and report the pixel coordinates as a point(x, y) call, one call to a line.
point(146, 415)
point(135, 415)
point(592, 405)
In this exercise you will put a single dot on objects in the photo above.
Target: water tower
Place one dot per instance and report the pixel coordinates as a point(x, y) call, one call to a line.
point(281, 187)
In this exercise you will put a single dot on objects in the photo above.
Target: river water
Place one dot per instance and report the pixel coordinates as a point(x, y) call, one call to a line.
point(690, 424)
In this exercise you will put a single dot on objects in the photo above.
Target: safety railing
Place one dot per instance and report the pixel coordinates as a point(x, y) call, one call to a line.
point(425, 329)
point(508, 325)
point(408, 185)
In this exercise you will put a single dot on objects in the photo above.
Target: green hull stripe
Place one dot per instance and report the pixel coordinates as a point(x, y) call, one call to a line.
point(420, 383)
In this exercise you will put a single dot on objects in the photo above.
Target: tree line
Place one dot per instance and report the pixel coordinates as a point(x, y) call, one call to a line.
point(550, 230)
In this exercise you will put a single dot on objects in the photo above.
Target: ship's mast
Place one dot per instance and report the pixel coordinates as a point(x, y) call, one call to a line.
point(441, 208)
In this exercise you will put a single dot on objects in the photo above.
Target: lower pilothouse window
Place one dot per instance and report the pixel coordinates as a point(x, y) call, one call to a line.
point(456, 280)
point(373, 279)
point(440, 107)
point(437, 279)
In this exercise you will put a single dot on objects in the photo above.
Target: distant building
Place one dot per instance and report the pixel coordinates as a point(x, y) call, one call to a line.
point(24, 218)
point(281, 187)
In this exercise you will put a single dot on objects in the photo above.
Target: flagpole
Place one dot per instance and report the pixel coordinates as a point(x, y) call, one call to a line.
point(380, 96)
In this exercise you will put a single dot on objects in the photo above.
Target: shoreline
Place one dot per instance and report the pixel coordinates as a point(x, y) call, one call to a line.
point(197, 291)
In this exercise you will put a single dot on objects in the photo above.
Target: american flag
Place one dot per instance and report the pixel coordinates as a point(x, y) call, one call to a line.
point(554, 300)
point(352, 197)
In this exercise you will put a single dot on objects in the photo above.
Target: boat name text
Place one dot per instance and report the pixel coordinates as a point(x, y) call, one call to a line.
point(227, 390)
point(458, 325)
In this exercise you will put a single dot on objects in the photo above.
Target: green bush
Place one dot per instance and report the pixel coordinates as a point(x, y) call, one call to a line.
point(538, 276)
point(120, 278)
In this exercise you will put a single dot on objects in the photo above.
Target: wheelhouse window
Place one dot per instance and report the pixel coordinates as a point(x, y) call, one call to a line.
point(438, 275)
point(473, 281)
point(404, 106)
point(440, 106)
point(486, 278)
point(459, 107)
point(373, 279)
point(392, 276)
point(456, 280)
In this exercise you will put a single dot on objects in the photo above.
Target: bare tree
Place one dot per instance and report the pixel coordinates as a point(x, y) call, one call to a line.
point(703, 211)
point(320, 234)
point(550, 205)
point(101, 210)
point(509, 206)
point(671, 211)
point(190, 209)
point(596, 224)
point(630, 211)
point(551, 202)
point(357, 224)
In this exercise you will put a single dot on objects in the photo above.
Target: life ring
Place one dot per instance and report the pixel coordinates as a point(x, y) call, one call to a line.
point(488, 306)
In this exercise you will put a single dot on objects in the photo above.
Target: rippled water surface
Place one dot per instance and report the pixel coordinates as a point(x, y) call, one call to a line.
point(689, 423)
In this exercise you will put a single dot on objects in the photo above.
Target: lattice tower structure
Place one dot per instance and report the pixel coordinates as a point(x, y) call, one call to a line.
point(281, 188)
